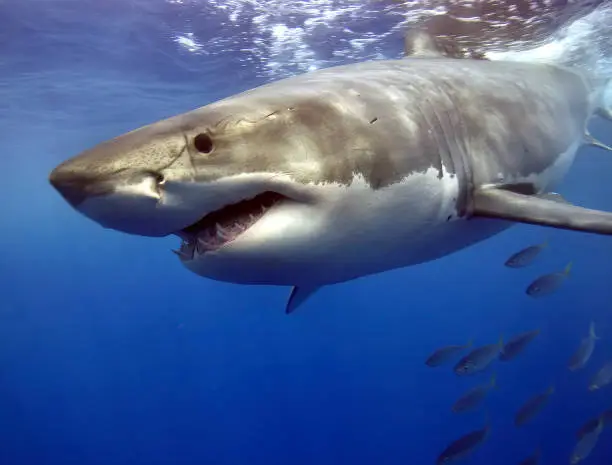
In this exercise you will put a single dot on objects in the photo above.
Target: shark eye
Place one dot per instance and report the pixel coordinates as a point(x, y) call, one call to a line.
point(203, 143)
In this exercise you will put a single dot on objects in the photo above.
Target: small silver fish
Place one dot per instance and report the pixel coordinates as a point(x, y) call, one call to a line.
point(478, 359)
point(446, 354)
point(582, 355)
point(602, 378)
point(526, 256)
point(463, 446)
point(474, 397)
point(548, 283)
point(517, 344)
point(533, 459)
point(587, 443)
point(532, 407)
point(590, 425)
point(593, 423)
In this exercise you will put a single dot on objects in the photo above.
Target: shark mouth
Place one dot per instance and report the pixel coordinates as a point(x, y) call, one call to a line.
point(223, 226)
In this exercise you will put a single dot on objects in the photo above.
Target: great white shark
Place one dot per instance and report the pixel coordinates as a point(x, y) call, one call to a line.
point(348, 171)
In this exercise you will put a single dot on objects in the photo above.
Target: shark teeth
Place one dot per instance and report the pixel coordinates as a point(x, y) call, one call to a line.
point(223, 233)
point(186, 250)
point(223, 226)
point(214, 235)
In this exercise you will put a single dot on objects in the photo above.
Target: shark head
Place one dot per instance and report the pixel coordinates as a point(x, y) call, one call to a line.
point(256, 179)
point(222, 165)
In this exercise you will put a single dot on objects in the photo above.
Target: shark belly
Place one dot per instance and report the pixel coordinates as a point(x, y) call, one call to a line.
point(408, 223)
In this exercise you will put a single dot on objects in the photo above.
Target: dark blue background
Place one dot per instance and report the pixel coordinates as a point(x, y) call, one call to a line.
point(111, 353)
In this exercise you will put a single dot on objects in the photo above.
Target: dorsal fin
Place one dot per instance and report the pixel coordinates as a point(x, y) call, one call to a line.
point(418, 43)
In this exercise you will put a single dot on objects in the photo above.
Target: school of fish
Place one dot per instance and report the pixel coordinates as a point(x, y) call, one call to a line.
point(481, 358)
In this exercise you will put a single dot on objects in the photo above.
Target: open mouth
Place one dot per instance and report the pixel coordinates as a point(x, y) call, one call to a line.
point(224, 225)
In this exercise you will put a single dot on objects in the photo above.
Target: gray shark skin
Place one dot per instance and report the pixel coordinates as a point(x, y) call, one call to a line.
point(348, 171)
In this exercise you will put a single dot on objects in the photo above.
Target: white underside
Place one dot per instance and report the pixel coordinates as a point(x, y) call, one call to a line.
point(353, 231)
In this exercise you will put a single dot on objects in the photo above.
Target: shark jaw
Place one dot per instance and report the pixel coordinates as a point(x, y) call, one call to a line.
point(223, 226)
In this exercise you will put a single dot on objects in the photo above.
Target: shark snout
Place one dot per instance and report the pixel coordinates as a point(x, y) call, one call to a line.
point(76, 186)
point(128, 200)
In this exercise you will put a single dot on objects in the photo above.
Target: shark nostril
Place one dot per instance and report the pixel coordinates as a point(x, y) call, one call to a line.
point(160, 179)
point(154, 179)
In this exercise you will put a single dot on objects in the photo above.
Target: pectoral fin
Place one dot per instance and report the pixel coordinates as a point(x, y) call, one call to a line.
point(507, 205)
point(298, 296)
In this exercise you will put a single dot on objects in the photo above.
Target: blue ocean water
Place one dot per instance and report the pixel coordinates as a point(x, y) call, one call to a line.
point(112, 353)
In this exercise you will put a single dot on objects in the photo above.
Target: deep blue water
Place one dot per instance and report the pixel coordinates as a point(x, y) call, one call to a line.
point(112, 353)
